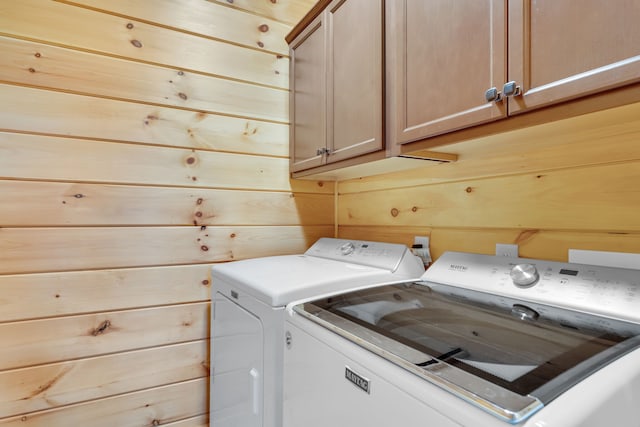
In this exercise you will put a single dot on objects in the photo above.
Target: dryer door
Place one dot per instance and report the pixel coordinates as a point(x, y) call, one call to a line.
point(237, 366)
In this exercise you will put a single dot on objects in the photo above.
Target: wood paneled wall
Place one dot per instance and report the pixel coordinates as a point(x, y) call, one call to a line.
point(573, 183)
point(139, 143)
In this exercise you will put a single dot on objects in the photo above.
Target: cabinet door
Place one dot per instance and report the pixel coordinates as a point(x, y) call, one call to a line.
point(308, 96)
point(354, 92)
point(561, 49)
point(442, 56)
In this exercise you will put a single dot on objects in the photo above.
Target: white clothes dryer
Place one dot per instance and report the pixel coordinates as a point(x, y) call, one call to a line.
point(248, 311)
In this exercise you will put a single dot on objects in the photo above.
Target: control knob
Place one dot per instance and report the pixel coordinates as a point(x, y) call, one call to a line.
point(524, 275)
point(347, 248)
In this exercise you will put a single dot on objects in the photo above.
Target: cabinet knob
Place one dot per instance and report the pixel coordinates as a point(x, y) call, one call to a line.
point(492, 95)
point(322, 151)
point(511, 89)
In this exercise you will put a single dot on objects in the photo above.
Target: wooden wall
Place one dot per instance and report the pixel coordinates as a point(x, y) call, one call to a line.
point(140, 142)
point(573, 183)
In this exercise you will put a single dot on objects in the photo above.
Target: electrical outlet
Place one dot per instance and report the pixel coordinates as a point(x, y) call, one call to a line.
point(510, 251)
point(424, 241)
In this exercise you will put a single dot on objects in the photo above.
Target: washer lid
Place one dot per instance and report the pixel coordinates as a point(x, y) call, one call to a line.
point(509, 362)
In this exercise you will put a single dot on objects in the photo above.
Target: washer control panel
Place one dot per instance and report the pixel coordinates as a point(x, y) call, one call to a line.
point(606, 291)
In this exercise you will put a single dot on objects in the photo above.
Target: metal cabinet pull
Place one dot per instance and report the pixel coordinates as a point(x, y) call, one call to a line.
point(323, 151)
point(492, 95)
point(511, 89)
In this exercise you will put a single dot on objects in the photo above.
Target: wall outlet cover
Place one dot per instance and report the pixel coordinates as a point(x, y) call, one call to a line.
point(507, 250)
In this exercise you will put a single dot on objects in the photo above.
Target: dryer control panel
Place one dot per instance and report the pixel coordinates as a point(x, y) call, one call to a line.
point(387, 256)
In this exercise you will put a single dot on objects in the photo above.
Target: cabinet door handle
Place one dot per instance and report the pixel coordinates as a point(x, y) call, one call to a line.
point(492, 95)
point(323, 151)
point(511, 89)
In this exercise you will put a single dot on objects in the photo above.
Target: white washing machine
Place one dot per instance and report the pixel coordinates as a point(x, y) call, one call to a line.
point(479, 341)
point(247, 321)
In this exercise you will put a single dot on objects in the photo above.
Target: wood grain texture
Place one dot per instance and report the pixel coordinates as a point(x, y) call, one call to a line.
point(197, 421)
point(31, 250)
point(37, 203)
point(288, 11)
point(37, 64)
point(34, 342)
point(83, 29)
point(194, 16)
point(57, 113)
point(81, 292)
point(138, 145)
point(160, 406)
point(46, 386)
point(549, 200)
point(34, 157)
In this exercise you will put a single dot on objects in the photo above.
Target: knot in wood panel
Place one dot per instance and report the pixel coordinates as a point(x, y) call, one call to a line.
point(102, 328)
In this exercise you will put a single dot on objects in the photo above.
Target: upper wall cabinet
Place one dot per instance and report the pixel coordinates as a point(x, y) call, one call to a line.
point(454, 64)
point(441, 57)
point(337, 84)
point(561, 49)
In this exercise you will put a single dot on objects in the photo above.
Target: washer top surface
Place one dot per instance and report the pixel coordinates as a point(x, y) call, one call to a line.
point(328, 266)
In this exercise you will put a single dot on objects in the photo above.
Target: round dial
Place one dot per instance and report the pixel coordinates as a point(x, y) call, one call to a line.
point(347, 248)
point(524, 275)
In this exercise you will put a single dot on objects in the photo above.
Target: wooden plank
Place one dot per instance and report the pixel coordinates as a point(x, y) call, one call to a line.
point(32, 250)
point(47, 386)
point(158, 406)
point(58, 294)
point(41, 111)
point(195, 16)
point(597, 198)
point(197, 421)
point(288, 11)
point(36, 64)
point(83, 29)
point(598, 138)
point(541, 244)
point(34, 157)
point(34, 203)
point(35, 342)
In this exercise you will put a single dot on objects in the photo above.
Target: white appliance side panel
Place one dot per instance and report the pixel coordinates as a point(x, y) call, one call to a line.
point(236, 383)
point(316, 393)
